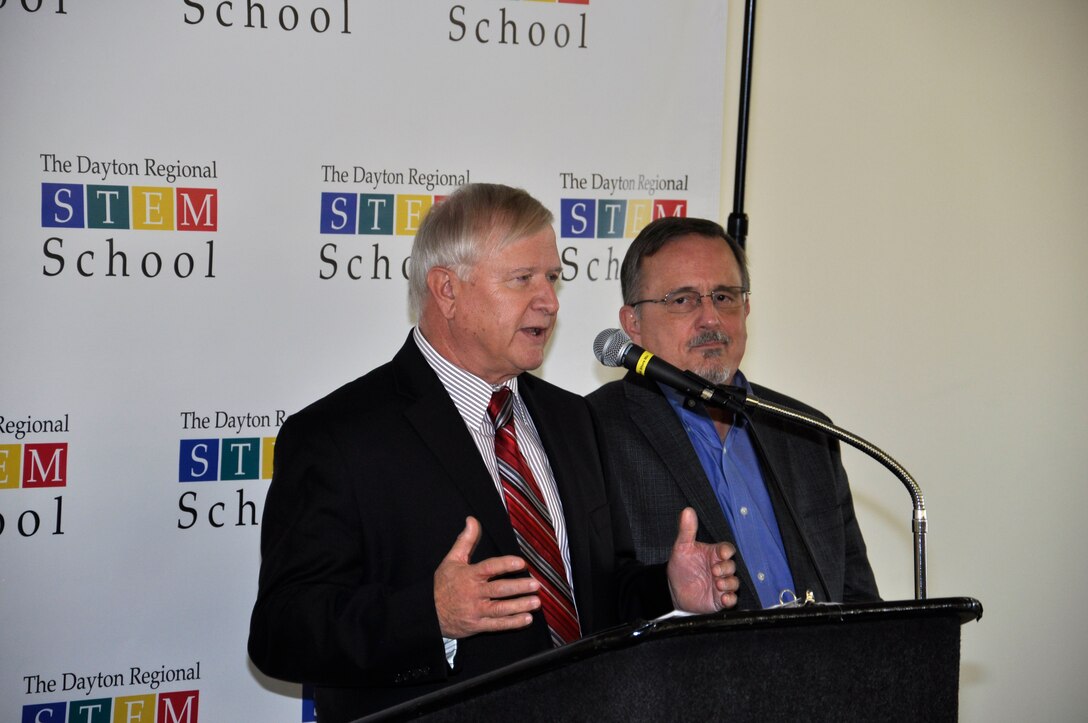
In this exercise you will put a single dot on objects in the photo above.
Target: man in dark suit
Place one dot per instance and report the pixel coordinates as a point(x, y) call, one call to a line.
point(409, 541)
point(778, 491)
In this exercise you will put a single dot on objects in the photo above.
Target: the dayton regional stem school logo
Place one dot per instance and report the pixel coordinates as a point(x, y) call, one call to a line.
point(236, 459)
point(85, 697)
point(27, 465)
point(612, 217)
point(605, 216)
point(122, 210)
point(177, 707)
point(361, 207)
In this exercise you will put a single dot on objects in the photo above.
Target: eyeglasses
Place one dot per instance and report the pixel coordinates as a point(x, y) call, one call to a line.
point(728, 298)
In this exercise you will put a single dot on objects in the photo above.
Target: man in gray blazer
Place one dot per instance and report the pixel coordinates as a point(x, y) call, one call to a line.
point(777, 491)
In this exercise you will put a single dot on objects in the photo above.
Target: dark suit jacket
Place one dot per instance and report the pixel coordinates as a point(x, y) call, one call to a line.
point(657, 473)
point(371, 486)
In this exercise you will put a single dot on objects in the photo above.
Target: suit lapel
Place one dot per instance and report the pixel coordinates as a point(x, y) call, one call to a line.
point(782, 484)
point(436, 420)
point(651, 413)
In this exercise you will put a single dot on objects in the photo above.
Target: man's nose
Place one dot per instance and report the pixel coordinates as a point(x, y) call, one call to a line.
point(707, 314)
point(547, 299)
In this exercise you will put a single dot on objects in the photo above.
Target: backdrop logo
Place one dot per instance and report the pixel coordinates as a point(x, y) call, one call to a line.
point(236, 459)
point(611, 218)
point(376, 214)
point(519, 27)
point(142, 707)
point(229, 459)
point(178, 707)
point(32, 466)
point(121, 208)
point(142, 208)
point(382, 214)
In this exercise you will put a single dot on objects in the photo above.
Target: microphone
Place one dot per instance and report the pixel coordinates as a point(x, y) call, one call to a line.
point(613, 348)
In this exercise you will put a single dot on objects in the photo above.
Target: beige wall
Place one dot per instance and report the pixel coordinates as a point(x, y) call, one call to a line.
point(918, 196)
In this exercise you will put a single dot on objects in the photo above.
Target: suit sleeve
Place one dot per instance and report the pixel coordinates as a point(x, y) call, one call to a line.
point(322, 614)
point(643, 590)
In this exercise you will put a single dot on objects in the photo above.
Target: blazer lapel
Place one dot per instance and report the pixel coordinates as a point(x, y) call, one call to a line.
point(654, 417)
point(432, 413)
point(651, 413)
point(782, 485)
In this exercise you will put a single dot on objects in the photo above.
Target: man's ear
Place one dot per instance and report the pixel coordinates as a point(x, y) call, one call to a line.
point(443, 285)
point(630, 322)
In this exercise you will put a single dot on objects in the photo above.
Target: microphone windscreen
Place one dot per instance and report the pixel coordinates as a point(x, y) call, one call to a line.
point(609, 347)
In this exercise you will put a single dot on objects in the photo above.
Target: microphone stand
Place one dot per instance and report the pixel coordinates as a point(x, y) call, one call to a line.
point(738, 219)
point(737, 399)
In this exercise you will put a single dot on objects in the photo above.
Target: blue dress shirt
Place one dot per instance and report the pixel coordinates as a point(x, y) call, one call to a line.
point(734, 472)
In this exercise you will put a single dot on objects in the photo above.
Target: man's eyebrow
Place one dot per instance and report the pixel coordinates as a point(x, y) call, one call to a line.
point(680, 289)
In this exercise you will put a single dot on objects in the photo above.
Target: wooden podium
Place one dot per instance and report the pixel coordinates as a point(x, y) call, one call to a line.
point(884, 661)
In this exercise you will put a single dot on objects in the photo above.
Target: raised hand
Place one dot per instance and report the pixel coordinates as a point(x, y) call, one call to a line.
point(702, 577)
point(469, 600)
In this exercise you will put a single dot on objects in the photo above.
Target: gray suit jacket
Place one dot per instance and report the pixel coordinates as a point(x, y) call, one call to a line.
point(657, 473)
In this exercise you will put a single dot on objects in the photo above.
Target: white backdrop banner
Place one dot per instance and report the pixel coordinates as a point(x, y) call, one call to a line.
point(206, 216)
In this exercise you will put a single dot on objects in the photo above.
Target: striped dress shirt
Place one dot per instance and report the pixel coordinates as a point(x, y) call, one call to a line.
point(471, 395)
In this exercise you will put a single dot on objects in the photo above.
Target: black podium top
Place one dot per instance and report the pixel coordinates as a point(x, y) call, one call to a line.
point(723, 629)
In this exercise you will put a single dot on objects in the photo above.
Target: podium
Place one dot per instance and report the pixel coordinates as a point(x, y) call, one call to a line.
point(885, 661)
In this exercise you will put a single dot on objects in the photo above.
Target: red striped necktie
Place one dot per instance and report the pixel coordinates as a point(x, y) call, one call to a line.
point(532, 524)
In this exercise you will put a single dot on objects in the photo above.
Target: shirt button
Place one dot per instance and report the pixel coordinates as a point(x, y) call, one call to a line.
point(761, 577)
point(744, 511)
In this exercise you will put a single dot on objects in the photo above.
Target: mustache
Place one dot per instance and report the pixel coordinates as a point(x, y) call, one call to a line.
point(709, 336)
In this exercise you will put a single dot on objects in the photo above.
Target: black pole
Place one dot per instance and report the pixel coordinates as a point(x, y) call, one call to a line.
point(738, 219)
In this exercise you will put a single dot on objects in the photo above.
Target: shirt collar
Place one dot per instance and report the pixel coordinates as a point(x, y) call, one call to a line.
point(470, 393)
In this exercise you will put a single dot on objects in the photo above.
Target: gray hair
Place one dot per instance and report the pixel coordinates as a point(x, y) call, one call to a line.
point(458, 230)
point(660, 233)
